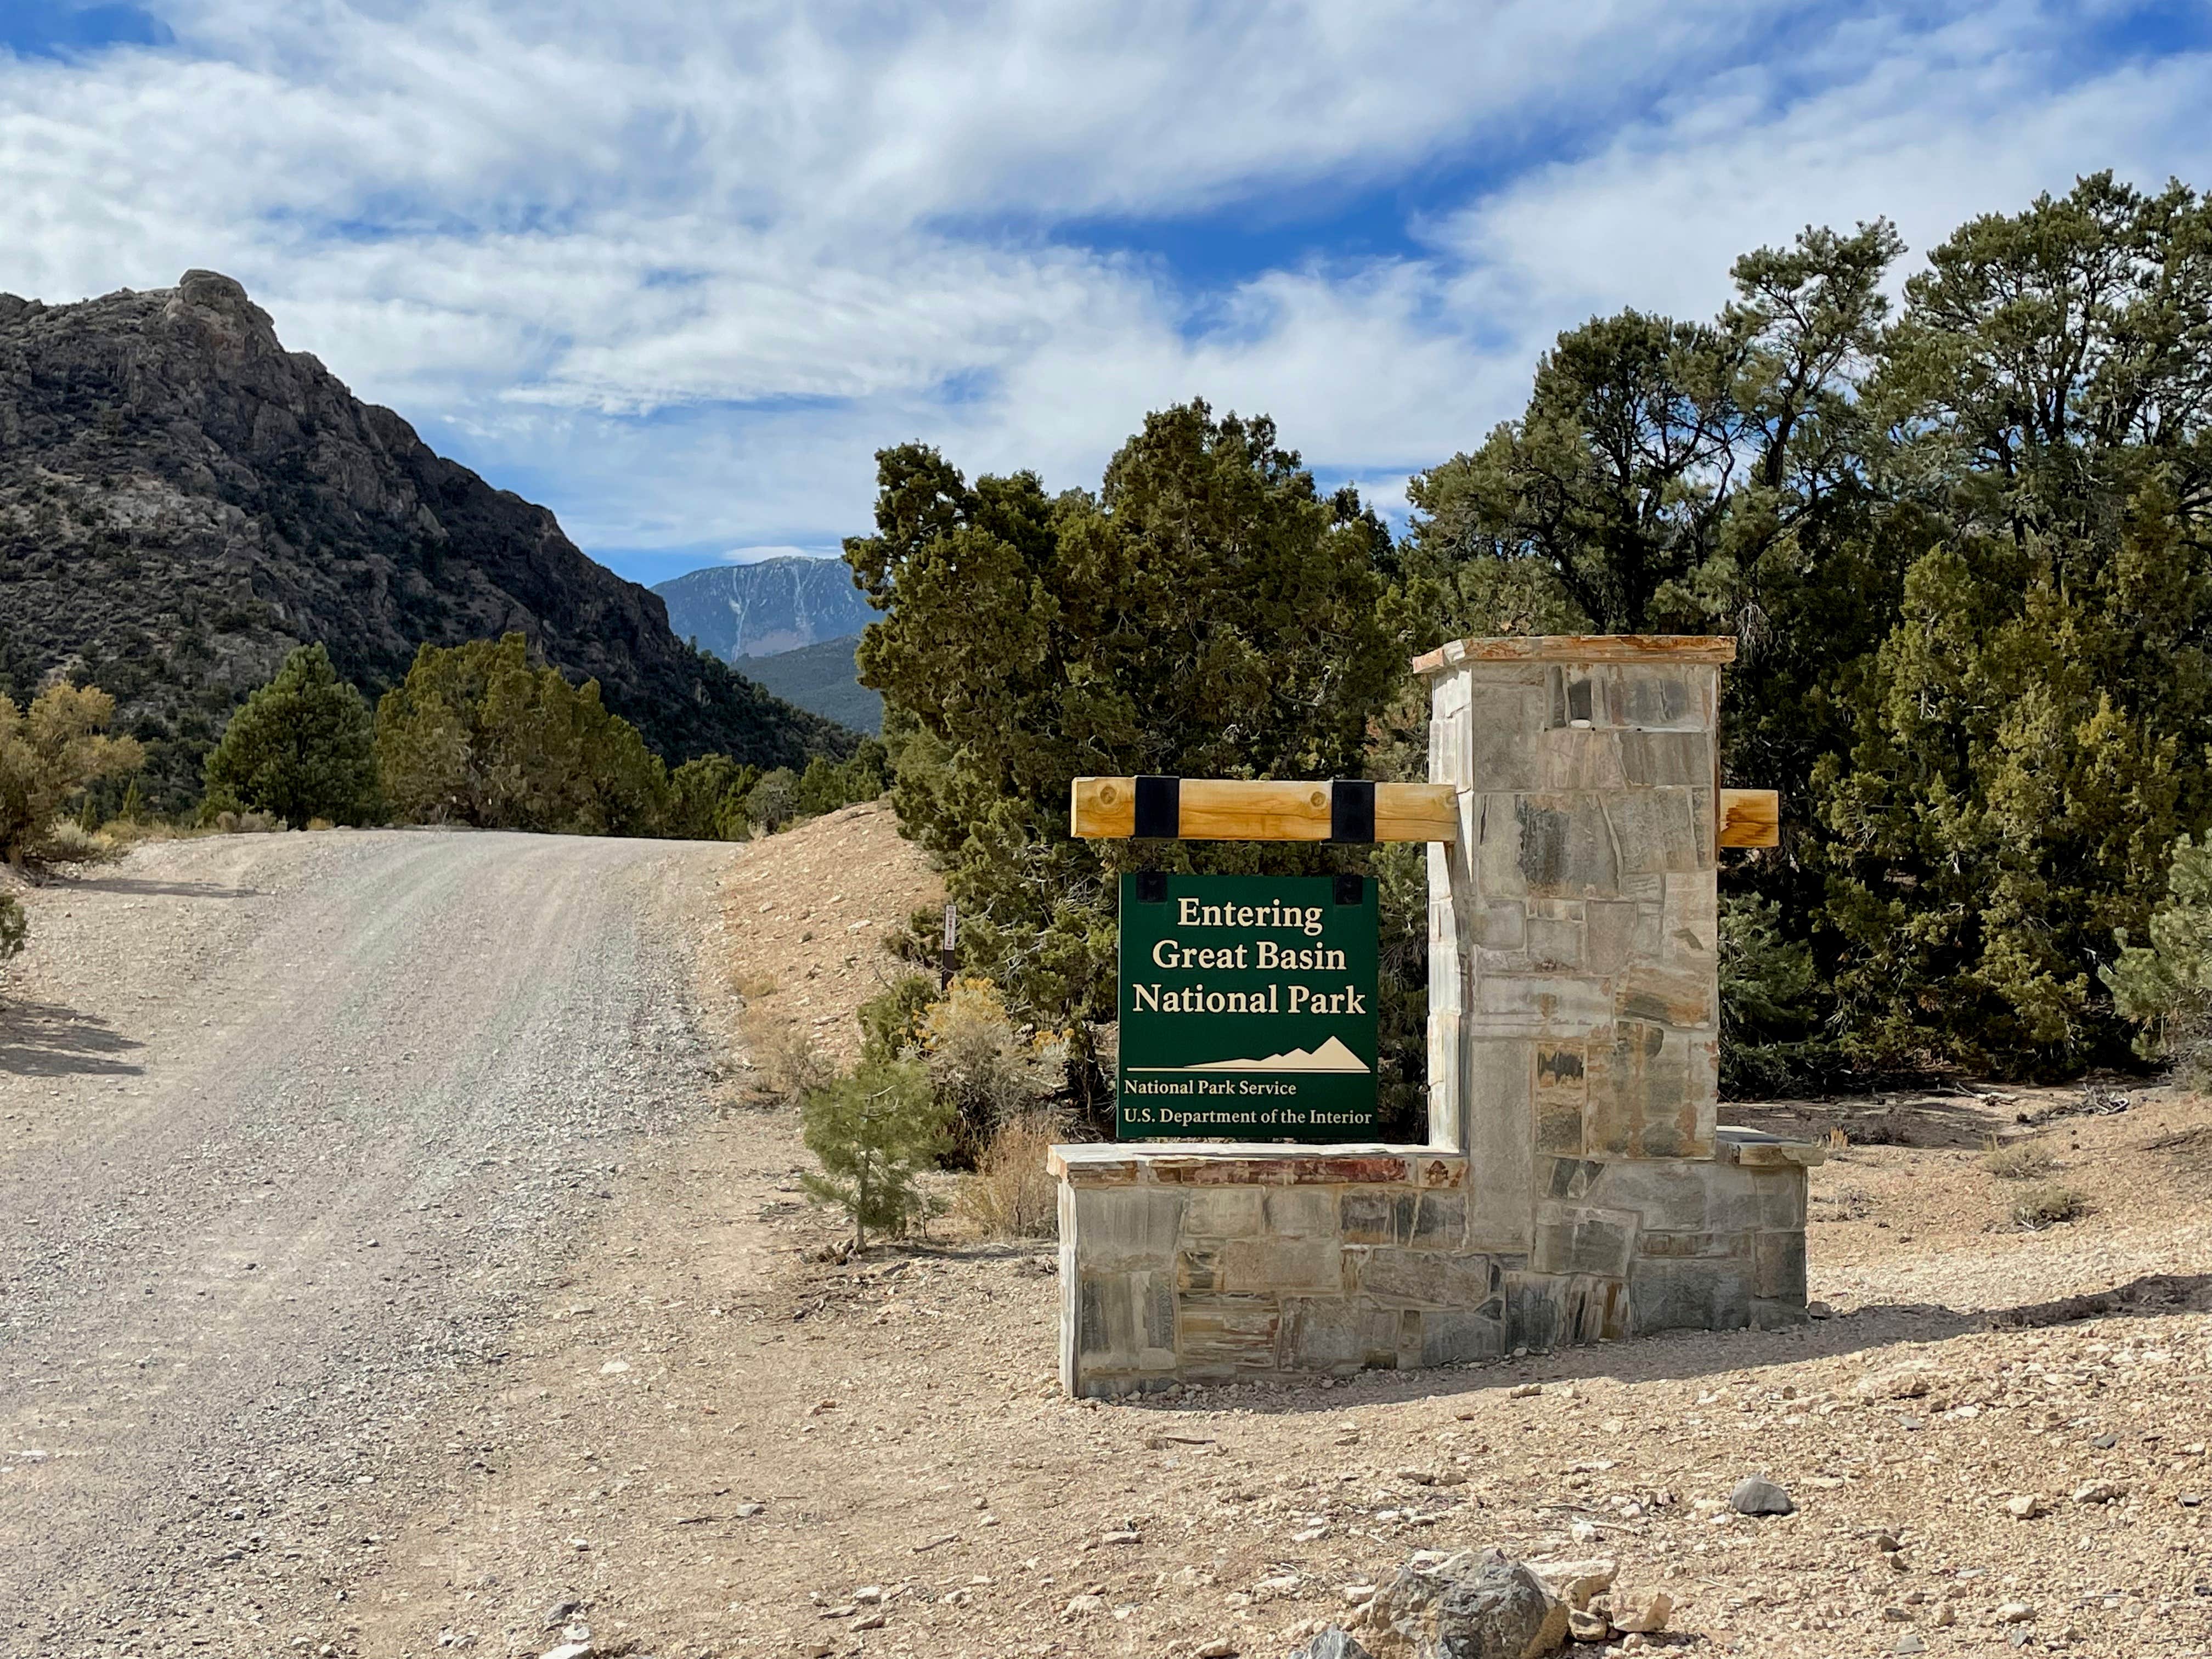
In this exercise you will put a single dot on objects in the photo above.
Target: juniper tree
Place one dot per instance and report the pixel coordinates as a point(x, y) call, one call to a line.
point(2165, 984)
point(480, 734)
point(1207, 612)
point(300, 748)
point(2032, 735)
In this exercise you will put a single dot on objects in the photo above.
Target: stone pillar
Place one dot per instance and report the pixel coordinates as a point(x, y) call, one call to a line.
point(1573, 980)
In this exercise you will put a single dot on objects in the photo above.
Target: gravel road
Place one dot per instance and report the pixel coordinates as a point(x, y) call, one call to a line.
point(290, 1128)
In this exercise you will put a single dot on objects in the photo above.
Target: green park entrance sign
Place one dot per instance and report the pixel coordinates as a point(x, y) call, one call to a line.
point(1247, 1008)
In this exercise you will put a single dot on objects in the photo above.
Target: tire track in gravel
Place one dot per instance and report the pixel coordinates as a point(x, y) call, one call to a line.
point(381, 1077)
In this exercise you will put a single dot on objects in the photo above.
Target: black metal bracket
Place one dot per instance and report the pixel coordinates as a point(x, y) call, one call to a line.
point(1151, 886)
point(1350, 890)
point(1159, 808)
point(1351, 810)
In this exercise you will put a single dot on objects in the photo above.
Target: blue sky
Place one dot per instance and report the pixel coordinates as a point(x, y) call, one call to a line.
point(678, 270)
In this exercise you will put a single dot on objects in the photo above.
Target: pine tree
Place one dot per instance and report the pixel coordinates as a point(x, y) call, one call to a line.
point(2032, 734)
point(874, 1131)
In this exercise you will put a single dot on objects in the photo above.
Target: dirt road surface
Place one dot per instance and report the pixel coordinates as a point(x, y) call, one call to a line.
point(290, 1127)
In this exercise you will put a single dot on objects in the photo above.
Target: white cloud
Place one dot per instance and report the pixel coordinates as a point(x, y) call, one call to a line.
point(679, 271)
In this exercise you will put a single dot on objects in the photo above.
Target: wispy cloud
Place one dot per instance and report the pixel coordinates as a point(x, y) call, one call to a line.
point(679, 271)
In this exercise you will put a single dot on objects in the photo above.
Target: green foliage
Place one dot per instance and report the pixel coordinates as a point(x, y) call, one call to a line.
point(2166, 986)
point(300, 748)
point(2047, 1204)
point(1963, 553)
point(1770, 1003)
point(49, 751)
point(874, 1131)
point(14, 926)
point(2031, 734)
point(476, 734)
point(986, 1071)
point(1207, 612)
point(773, 803)
point(2021, 1161)
point(827, 784)
point(707, 798)
point(890, 1020)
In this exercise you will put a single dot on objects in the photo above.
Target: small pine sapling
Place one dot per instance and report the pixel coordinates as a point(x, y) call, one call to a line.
point(874, 1131)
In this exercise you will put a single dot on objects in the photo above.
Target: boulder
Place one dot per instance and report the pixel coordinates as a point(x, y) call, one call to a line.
point(1502, 1611)
point(1332, 1645)
point(1466, 1606)
point(1909, 1381)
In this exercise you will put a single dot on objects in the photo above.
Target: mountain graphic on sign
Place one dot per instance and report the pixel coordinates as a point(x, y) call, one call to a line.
point(1331, 1056)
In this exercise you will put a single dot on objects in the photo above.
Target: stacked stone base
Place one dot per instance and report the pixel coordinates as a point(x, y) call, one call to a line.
point(1212, 1263)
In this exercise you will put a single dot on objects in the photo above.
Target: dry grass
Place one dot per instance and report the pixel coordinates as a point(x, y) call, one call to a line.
point(2047, 1204)
point(792, 1064)
point(2023, 1160)
point(1010, 1195)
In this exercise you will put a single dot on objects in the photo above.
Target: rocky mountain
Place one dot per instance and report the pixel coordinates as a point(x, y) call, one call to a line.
point(737, 611)
point(823, 677)
point(182, 501)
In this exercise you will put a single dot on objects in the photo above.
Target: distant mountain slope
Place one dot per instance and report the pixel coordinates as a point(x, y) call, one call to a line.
point(760, 610)
point(182, 501)
point(822, 677)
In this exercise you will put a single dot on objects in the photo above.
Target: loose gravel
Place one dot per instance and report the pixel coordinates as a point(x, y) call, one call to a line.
point(290, 1128)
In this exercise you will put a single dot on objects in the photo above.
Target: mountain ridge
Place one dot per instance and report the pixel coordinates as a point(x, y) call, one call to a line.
point(824, 677)
point(182, 501)
point(766, 608)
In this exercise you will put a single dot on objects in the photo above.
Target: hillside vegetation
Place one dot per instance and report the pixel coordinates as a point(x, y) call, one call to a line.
point(824, 678)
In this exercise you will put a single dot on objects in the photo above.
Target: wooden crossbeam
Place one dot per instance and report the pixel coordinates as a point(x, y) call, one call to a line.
point(1234, 809)
point(1265, 809)
point(1750, 817)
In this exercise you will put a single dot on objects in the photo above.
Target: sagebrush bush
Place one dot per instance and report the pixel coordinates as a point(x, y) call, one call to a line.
point(2021, 1161)
point(50, 750)
point(981, 1066)
point(2048, 1205)
point(14, 926)
point(790, 1063)
point(1011, 1194)
point(67, 841)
